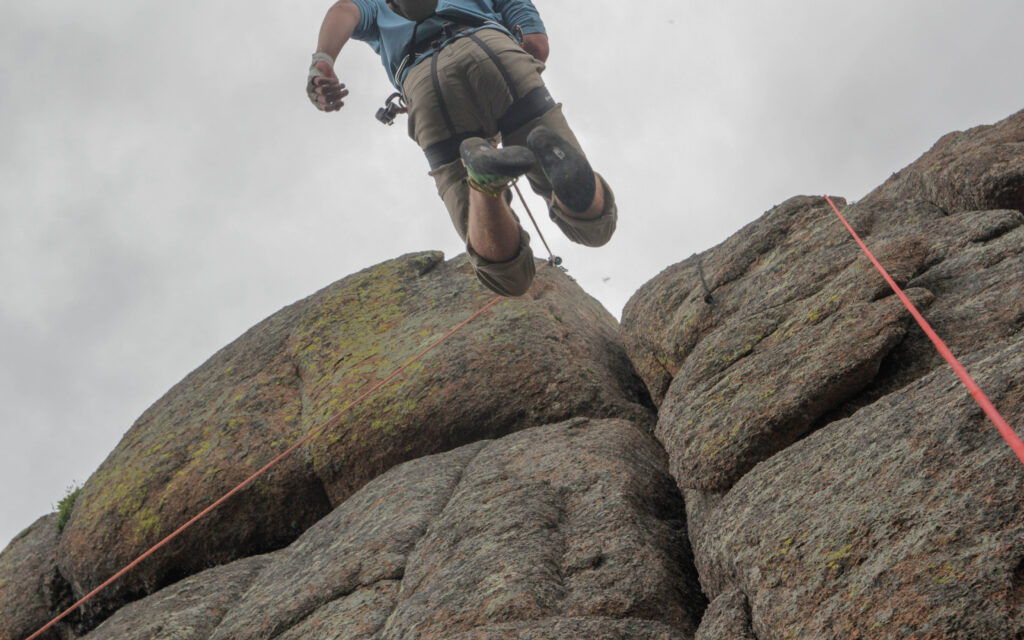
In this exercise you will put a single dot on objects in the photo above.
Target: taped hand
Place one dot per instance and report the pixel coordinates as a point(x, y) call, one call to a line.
point(324, 89)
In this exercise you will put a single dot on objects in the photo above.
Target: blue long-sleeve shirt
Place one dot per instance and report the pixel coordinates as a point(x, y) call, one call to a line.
point(390, 34)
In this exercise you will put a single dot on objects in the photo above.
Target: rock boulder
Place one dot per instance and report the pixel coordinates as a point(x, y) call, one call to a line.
point(905, 520)
point(551, 355)
point(815, 469)
point(982, 168)
point(567, 530)
point(32, 590)
point(802, 329)
point(187, 610)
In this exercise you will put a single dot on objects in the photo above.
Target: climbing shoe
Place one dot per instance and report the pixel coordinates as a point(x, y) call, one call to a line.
point(492, 171)
point(567, 169)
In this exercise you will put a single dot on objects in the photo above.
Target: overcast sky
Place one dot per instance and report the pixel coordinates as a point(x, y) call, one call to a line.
point(165, 184)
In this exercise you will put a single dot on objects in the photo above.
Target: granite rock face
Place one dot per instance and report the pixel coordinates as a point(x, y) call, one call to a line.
point(728, 616)
point(905, 520)
point(802, 326)
point(31, 586)
point(982, 168)
point(554, 531)
point(548, 356)
point(839, 481)
point(814, 468)
point(187, 610)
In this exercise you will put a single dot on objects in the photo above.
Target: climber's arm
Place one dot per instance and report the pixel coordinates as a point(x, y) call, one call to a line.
point(338, 26)
point(536, 44)
point(522, 14)
point(324, 88)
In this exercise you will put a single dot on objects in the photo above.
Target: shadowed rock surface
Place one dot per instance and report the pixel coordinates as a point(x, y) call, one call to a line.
point(546, 357)
point(31, 587)
point(982, 168)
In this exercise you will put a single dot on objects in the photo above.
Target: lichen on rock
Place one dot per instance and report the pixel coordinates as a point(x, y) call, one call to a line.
point(548, 356)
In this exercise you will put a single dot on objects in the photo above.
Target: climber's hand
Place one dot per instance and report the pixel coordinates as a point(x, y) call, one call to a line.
point(324, 89)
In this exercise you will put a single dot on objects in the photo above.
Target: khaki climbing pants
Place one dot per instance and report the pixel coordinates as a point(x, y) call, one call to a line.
point(486, 85)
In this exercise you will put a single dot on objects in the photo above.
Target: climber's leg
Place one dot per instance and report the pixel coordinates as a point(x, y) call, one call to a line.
point(595, 224)
point(457, 94)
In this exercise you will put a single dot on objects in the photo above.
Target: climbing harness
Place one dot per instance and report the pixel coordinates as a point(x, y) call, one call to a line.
point(416, 48)
point(986, 405)
point(522, 110)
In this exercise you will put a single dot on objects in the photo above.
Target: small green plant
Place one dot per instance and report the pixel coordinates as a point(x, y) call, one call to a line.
point(66, 504)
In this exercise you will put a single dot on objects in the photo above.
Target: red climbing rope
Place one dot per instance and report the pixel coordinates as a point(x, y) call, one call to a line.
point(1004, 429)
point(330, 423)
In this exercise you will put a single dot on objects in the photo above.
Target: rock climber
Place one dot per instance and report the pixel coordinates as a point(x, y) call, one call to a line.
point(469, 74)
